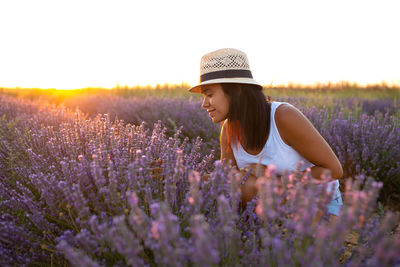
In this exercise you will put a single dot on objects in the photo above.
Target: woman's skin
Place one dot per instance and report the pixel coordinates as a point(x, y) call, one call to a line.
point(294, 128)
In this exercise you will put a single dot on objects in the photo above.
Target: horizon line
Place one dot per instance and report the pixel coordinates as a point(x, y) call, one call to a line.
point(184, 84)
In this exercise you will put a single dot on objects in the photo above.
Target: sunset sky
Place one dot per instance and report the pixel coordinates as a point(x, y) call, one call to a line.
point(77, 44)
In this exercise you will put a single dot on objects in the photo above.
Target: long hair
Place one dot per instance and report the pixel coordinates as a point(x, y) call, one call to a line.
point(249, 115)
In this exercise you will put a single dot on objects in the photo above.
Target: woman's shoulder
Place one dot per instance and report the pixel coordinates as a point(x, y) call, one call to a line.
point(286, 112)
point(289, 120)
point(281, 108)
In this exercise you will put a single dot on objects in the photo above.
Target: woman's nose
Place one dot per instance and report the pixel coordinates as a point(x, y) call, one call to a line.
point(205, 103)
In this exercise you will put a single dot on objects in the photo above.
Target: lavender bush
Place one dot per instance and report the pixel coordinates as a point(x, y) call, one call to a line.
point(172, 112)
point(81, 191)
point(356, 106)
point(364, 144)
point(362, 132)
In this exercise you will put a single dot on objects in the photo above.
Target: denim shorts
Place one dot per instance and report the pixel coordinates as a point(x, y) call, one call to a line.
point(335, 204)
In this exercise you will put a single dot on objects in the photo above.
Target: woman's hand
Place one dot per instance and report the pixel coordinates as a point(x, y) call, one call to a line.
point(248, 188)
point(257, 170)
point(248, 182)
point(205, 177)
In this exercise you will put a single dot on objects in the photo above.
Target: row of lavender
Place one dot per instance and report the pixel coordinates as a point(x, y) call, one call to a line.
point(363, 133)
point(77, 190)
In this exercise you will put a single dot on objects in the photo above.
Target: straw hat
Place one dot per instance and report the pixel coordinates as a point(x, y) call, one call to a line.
point(227, 65)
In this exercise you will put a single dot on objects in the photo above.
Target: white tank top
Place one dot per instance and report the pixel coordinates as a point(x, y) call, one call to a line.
point(275, 152)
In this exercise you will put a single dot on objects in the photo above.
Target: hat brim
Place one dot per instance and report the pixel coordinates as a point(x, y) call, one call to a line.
point(197, 88)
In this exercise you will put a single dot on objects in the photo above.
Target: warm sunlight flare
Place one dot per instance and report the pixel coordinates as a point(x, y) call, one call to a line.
point(78, 44)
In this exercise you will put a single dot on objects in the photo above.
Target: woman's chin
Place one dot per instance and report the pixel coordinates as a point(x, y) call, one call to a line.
point(215, 120)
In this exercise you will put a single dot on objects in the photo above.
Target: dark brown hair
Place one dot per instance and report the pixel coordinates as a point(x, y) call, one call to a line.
point(249, 115)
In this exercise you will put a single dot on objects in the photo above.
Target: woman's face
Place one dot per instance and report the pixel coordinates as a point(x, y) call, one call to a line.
point(216, 102)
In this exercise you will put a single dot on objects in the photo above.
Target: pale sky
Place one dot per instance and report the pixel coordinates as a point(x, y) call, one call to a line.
point(77, 44)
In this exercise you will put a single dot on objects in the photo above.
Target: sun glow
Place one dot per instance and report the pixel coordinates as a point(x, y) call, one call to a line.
point(79, 44)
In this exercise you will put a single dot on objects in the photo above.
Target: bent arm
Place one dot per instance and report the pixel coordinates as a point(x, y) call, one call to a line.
point(248, 189)
point(226, 150)
point(298, 132)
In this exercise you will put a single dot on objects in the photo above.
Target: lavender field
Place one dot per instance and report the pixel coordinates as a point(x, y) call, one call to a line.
point(77, 187)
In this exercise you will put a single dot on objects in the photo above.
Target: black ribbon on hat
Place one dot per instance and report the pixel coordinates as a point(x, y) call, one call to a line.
point(225, 74)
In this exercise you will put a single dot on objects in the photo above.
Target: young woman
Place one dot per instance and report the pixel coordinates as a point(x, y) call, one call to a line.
point(254, 129)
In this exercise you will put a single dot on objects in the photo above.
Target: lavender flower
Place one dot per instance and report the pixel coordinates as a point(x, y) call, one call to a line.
point(79, 189)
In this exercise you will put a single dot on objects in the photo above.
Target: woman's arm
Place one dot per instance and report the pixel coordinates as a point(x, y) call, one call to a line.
point(249, 189)
point(298, 132)
point(226, 150)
